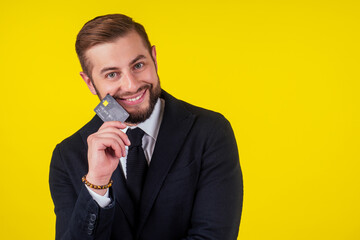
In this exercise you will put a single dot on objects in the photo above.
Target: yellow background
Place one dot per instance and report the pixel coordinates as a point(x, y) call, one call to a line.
point(285, 73)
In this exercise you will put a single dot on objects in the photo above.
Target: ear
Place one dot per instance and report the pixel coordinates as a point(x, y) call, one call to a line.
point(153, 54)
point(88, 82)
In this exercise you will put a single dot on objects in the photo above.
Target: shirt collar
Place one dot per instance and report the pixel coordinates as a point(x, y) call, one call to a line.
point(151, 125)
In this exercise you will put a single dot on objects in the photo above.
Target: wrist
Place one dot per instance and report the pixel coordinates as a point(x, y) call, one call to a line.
point(97, 180)
point(99, 189)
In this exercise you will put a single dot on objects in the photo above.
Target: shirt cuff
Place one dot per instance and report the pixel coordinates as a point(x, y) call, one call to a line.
point(103, 201)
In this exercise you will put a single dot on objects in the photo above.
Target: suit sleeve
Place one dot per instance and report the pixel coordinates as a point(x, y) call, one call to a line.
point(218, 202)
point(78, 216)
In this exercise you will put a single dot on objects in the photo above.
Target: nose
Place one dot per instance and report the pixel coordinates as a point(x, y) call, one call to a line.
point(129, 83)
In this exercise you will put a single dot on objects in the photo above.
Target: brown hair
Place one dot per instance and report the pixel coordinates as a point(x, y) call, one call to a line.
point(104, 29)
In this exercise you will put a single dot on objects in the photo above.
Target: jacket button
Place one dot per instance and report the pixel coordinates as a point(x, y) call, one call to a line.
point(91, 227)
point(89, 232)
point(92, 217)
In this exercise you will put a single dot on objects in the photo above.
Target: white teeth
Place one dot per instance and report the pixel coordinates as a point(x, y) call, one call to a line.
point(134, 99)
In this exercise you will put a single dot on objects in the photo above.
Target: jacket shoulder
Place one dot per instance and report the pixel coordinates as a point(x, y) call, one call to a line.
point(205, 117)
point(201, 115)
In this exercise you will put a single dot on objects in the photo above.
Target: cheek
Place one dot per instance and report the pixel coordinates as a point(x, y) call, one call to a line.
point(108, 88)
point(151, 77)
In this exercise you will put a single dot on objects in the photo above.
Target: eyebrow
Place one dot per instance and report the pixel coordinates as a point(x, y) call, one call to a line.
point(137, 59)
point(108, 69)
point(115, 68)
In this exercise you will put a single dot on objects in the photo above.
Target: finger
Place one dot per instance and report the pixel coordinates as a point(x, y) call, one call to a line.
point(116, 124)
point(117, 147)
point(101, 141)
point(117, 131)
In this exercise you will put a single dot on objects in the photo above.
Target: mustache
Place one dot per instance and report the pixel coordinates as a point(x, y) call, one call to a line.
point(126, 94)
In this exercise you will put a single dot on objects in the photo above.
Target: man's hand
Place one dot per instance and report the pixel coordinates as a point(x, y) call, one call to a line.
point(106, 146)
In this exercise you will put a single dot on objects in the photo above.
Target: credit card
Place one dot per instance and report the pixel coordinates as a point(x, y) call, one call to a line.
point(110, 110)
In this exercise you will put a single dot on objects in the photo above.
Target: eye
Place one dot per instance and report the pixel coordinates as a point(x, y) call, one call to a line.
point(111, 75)
point(138, 65)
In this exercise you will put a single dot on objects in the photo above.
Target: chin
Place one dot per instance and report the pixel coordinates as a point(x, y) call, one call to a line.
point(141, 114)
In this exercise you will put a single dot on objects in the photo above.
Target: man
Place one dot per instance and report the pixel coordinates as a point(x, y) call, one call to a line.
point(190, 182)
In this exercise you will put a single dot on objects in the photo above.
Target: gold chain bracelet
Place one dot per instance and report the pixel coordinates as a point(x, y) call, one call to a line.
point(87, 183)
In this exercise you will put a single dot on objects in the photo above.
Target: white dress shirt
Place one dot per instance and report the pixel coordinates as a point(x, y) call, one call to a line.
point(151, 128)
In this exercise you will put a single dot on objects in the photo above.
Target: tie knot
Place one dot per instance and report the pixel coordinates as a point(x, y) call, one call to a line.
point(135, 136)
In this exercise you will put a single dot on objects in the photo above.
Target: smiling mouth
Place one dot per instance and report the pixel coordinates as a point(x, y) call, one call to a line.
point(136, 98)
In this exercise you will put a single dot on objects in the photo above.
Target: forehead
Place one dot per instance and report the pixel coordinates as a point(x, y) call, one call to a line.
point(121, 51)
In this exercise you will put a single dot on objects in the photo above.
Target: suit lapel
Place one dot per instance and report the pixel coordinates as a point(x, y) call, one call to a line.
point(175, 126)
point(122, 196)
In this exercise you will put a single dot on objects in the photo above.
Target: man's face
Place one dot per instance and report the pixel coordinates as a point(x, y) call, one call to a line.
point(127, 71)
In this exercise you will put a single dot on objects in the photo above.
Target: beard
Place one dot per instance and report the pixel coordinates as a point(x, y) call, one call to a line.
point(140, 116)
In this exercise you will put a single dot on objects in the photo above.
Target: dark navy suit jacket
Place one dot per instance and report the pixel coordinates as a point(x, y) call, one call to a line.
point(193, 188)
